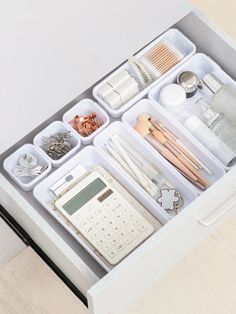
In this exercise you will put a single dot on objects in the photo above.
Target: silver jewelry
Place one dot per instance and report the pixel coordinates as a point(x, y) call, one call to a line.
point(58, 145)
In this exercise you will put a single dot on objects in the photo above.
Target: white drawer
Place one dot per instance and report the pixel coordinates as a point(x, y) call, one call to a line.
point(112, 292)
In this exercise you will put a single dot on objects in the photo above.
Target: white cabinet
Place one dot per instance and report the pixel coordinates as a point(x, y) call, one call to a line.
point(105, 35)
point(10, 243)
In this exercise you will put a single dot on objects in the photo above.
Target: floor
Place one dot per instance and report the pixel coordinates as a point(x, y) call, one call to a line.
point(203, 283)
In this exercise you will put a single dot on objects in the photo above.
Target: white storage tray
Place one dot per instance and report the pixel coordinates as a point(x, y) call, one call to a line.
point(150, 107)
point(201, 65)
point(52, 129)
point(85, 107)
point(171, 174)
point(88, 158)
point(26, 183)
point(183, 44)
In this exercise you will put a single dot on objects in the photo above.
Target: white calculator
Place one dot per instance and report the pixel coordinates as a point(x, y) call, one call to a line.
point(108, 222)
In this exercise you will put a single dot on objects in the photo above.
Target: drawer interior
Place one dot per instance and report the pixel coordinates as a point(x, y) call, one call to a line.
point(211, 43)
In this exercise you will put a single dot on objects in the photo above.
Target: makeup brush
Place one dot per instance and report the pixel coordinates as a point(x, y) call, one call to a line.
point(196, 163)
point(144, 131)
point(163, 140)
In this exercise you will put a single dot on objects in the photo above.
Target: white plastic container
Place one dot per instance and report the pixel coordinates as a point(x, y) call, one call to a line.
point(169, 172)
point(89, 157)
point(183, 44)
point(26, 183)
point(52, 129)
point(201, 65)
point(85, 107)
point(150, 107)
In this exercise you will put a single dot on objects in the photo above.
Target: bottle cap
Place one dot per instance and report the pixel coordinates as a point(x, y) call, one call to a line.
point(192, 123)
point(212, 82)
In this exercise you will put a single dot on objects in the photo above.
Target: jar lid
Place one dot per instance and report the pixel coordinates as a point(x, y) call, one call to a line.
point(189, 81)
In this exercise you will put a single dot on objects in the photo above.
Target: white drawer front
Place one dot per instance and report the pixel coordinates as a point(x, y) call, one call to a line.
point(160, 253)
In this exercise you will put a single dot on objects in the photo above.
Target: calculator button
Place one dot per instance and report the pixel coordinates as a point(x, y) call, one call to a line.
point(123, 222)
point(103, 228)
point(134, 232)
point(108, 235)
point(115, 208)
point(112, 253)
point(99, 211)
point(120, 247)
point(85, 225)
point(106, 247)
point(90, 229)
point(95, 235)
point(118, 215)
point(101, 242)
point(108, 205)
point(142, 227)
point(137, 221)
point(114, 241)
point(114, 198)
point(131, 215)
point(97, 223)
point(92, 218)
point(128, 239)
point(116, 228)
point(122, 234)
point(111, 222)
point(105, 217)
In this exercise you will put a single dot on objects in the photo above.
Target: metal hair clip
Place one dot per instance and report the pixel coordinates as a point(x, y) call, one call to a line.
point(58, 145)
point(85, 125)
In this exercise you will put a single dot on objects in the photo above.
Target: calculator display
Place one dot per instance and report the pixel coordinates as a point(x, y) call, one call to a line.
point(84, 196)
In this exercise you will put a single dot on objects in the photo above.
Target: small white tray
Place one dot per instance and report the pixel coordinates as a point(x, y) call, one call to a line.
point(52, 129)
point(85, 107)
point(26, 183)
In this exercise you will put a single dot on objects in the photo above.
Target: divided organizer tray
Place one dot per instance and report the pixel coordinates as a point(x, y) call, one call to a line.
point(150, 107)
point(201, 65)
point(179, 41)
point(170, 173)
point(88, 158)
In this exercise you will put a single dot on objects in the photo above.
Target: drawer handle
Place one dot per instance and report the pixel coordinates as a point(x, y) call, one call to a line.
point(222, 214)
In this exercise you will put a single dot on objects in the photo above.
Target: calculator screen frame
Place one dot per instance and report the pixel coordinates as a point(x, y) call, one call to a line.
point(84, 196)
point(59, 204)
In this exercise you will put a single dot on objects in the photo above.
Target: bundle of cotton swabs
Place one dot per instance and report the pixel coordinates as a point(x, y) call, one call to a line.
point(134, 164)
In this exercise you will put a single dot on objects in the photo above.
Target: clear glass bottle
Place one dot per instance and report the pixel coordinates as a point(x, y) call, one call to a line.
point(217, 122)
point(224, 96)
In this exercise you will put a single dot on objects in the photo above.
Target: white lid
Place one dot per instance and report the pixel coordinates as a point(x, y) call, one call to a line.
point(172, 96)
point(192, 123)
point(58, 49)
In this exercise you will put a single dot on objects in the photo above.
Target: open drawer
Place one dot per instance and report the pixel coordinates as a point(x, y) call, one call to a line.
point(111, 293)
